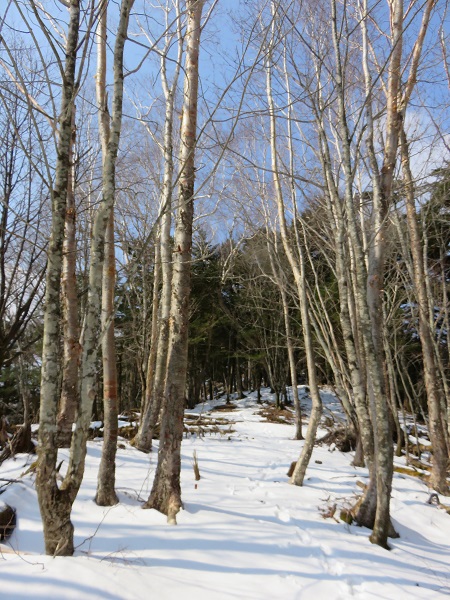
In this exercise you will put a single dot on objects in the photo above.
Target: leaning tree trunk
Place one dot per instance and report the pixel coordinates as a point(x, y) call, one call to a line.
point(297, 266)
point(349, 325)
point(166, 492)
point(277, 275)
point(298, 475)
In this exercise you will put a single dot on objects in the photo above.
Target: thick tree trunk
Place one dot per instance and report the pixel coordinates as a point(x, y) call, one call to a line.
point(55, 506)
point(368, 323)
point(382, 193)
point(166, 492)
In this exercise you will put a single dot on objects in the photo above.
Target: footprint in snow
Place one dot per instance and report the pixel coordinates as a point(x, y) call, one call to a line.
point(282, 514)
point(347, 590)
point(331, 565)
point(304, 536)
point(264, 472)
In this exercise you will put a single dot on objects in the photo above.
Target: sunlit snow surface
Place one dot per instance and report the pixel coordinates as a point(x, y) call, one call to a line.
point(244, 533)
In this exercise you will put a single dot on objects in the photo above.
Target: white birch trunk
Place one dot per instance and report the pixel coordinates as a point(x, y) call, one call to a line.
point(166, 492)
point(438, 480)
point(297, 266)
point(375, 511)
point(106, 495)
point(55, 505)
point(71, 330)
point(91, 330)
point(155, 392)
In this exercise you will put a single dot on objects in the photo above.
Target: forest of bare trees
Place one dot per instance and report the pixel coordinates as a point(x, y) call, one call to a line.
point(203, 197)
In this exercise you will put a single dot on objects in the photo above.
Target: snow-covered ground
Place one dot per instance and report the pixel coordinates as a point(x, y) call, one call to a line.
point(244, 533)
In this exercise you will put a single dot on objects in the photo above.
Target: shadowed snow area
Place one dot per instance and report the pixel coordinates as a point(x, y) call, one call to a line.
point(244, 533)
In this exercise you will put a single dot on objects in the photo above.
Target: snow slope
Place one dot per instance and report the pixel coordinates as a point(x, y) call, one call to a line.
point(244, 532)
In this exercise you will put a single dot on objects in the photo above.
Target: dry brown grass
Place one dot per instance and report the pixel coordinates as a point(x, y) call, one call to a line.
point(272, 414)
point(225, 407)
point(412, 472)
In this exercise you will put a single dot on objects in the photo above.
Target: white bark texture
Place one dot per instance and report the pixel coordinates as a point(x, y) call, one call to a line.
point(381, 476)
point(155, 389)
point(71, 333)
point(106, 495)
point(297, 265)
point(166, 492)
point(55, 504)
point(438, 480)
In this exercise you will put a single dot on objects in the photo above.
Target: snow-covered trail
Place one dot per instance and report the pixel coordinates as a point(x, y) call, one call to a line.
point(244, 533)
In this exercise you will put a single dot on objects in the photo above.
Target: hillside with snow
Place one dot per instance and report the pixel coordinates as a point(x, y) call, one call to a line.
point(244, 533)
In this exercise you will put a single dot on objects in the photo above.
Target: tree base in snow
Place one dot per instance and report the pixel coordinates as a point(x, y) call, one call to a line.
point(169, 506)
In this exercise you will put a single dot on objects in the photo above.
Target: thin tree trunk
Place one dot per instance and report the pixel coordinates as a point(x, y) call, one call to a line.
point(298, 475)
point(166, 492)
point(155, 393)
point(71, 330)
point(289, 344)
point(297, 267)
point(142, 441)
point(240, 391)
point(381, 486)
point(106, 495)
point(102, 266)
point(438, 478)
point(153, 354)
